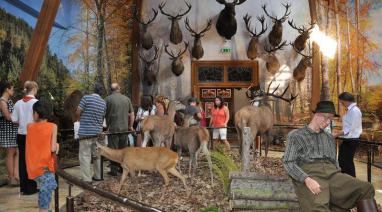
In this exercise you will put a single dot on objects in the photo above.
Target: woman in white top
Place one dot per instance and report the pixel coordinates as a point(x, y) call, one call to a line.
point(23, 115)
point(351, 128)
point(146, 109)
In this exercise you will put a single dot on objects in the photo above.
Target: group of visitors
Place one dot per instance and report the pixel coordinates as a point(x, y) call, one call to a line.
point(31, 142)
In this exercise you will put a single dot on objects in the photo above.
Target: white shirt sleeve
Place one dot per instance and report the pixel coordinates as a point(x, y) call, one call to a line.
point(355, 129)
point(15, 113)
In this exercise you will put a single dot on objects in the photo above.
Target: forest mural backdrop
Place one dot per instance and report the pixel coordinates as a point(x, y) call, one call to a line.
point(96, 46)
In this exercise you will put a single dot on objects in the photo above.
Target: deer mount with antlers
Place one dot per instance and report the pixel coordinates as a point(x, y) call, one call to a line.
point(226, 24)
point(177, 66)
point(300, 71)
point(252, 46)
point(175, 34)
point(276, 34)
point(146, 38)
point(301, 40)
point(197, 50)
point(149, 75)
point(272, 63)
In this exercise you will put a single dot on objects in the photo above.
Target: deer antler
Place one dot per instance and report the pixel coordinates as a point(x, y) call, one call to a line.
point(156, 49)
point(238, 2)
point(162, 5)
point(260, 93)
point(247, 20)
point(221, 1)
point(279, 47)
point(266, 13)
point(180, 53)
point(194, 34)
point(299, 29)
point(287, 12)
point(187, 24)
point(208, 27)
point(299, 52)
point(136, 17)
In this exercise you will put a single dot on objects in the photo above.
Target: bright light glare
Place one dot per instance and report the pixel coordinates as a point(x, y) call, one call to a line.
point(328, 45)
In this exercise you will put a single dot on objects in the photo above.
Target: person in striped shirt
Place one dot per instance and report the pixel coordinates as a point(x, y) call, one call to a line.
point(90, 112)
point(310, 160)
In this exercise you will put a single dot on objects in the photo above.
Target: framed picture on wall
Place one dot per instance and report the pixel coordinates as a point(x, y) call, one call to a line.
point(208, 93)
point(225, 93)
point(208, 108)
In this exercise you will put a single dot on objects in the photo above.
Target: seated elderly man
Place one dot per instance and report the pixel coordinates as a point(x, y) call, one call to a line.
point(310, 159)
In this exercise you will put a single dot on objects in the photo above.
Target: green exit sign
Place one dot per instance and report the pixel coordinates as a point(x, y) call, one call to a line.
point(225, 50)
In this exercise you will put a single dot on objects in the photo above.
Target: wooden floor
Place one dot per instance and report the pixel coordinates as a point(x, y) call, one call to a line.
point(11, 201)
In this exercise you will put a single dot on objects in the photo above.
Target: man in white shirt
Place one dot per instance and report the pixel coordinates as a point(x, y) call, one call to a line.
point(351, 128)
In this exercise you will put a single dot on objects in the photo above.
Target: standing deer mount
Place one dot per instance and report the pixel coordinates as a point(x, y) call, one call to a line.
point(176, 34)
point(146, 38)
point(197, 50)
point(300, 41)
point(149, 75)
point(299, 71)
point(252, 46)
point(177, 66)
point(272, 63)
point(276, 34)
point(226, 24)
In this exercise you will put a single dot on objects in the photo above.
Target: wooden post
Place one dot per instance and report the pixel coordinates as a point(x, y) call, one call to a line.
point(135, 75)
point(245, 154)
point(39, 40)
point(315, 92)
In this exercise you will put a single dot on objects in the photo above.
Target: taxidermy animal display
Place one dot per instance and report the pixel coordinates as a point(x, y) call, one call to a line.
point(175, 34)
point(149, 75)
point(276, 34)
point(197, 50)
point(194, 139)
point(259, 119)
point(146, 38)
point(177, 66)
point(252, 46)
point(301, 40)
point(134, 159)
point(226, 24)
point(300, 70)
point(272, 63)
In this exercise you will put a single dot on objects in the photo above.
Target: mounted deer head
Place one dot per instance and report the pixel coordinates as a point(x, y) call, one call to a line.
point(253, 94)
point(146, 38)
point(226, 24)
point(175, 34)
point(252, 46)
point(300, 41)
point(177, 66)
point(299, 71)
point(272, 63)
point(276, 35)
point(149, 75)
point(197, 50)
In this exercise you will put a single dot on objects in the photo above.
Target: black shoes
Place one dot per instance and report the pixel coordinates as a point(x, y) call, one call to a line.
point(96, 180)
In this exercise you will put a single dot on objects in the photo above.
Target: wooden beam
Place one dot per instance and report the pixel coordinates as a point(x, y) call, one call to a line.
point(39, 40)
point(315, 88)
point(135, 75)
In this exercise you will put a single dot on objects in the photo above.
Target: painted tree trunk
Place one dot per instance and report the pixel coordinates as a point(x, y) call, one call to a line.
point(358, 73)
point(325, 90)
point(350, 67)
point(107, 63)
point(315, 79)
point(338, 63)
point(100, 32)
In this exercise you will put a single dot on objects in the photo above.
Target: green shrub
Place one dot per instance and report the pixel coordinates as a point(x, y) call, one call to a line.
point(222, 165)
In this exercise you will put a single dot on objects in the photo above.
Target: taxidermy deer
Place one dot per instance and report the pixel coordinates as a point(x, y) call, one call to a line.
point(134, 159)
point(226, 24)
point(146, 38)
point(195, 139)
point(160, 128)
point(299, 71)
point(276, 34)
point(197, 50)
point(177, 66)
point(300, 41)
point(272, 63)
point(149, 75)
point(259, 119)
point(252, 46)
point(175, 34)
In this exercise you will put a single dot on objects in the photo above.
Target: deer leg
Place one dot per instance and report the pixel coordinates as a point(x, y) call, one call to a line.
point(268, 139)
point(180, 158)
point(146, 137)
point(123, 179)
point(206, 152)
point(192, 158)
point(132, 175)
point(174, 172)
point(255, 150)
